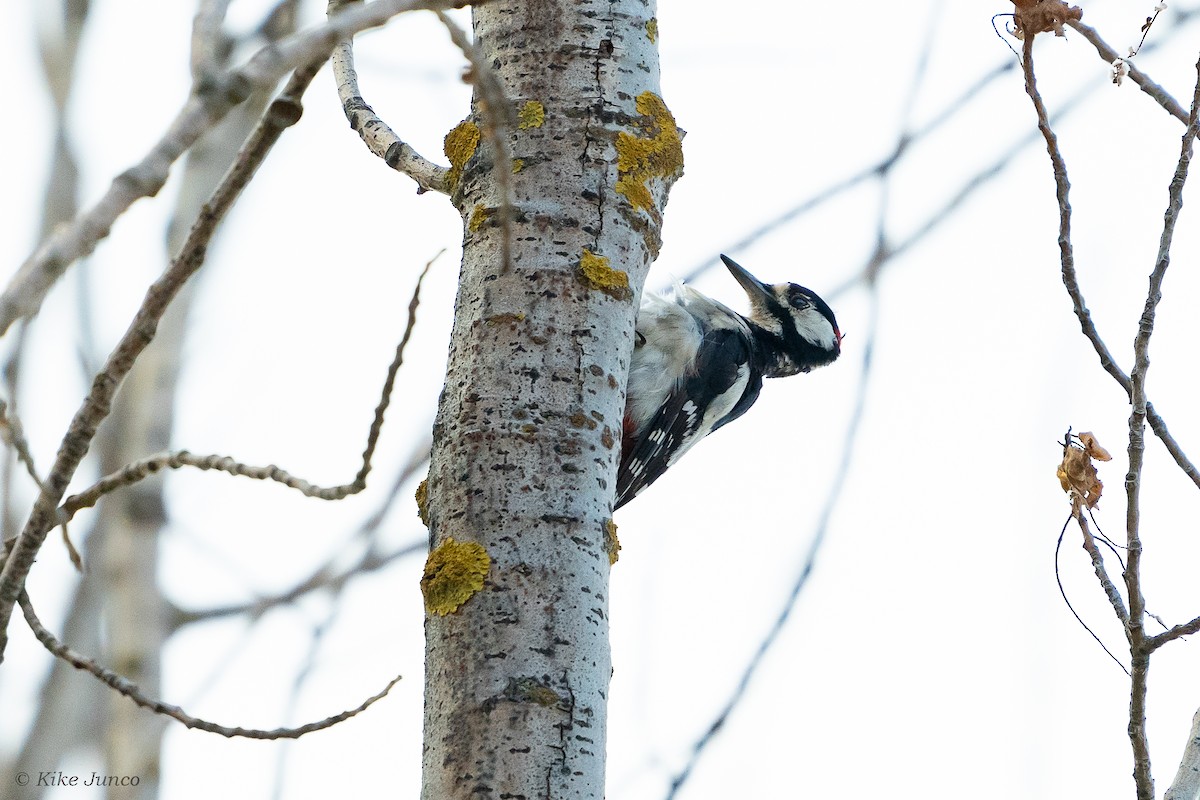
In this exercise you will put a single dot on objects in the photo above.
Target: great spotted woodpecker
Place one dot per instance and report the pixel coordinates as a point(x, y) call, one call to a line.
point(698, 365)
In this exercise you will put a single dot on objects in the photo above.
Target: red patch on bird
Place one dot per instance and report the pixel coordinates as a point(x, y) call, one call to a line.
point(627, 432)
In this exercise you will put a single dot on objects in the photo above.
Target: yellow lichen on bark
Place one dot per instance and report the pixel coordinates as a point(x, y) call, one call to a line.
point(531, 115)
point(659, 154)
point(531, 690)
point(507, 317)
point(611, 543)
point(454, 572)
point(518, 165)
point(599, 275)
point(422, 498)
point(459, 145)
point(652, 30)
point(479, 215)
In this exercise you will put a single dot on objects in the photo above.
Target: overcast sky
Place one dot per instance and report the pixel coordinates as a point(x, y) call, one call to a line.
point(929, 656)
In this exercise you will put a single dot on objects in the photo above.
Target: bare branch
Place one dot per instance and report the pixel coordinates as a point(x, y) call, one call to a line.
point(206, 106)
point(325, 577)
point(831, 502)
point(1163, 260)
point(282, 113)
point(1141, 348)
point(1062, 591)
point(379, 138)
point(1160, 95)
point(209, 41)
point(1159, 426)
point(1066, 250)
point(130, 690)
point(1186, 629)
point(1134, 385)
point(13, 435)
point(151, 465)
point(1110, 588)
point(1071, 280)
point(1137, 425)
point(1138, 686)
point(332, 574)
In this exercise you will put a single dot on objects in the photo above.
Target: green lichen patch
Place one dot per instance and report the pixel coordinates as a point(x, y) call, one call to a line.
point(506, 317)
point(531, 115)
point(459, 145)
point(423, 502)
point(658, 154)
point(454, 572)
point(518, 165)
point(597, 274)
point(611, 543)
point(531, 690)
point(652, 30)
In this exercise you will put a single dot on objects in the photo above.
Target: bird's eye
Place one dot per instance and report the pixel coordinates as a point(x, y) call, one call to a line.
point(799, 300)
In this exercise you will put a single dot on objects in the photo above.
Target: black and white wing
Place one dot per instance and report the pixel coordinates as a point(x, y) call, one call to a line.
point(724, 383)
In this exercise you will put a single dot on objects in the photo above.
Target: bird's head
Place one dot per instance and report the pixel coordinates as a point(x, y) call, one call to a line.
point(800, 329)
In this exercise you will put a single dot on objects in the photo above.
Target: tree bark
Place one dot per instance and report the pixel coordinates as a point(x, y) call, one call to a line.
point(528, 429)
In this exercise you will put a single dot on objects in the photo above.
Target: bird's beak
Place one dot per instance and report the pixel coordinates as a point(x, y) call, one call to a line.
point(753, 286)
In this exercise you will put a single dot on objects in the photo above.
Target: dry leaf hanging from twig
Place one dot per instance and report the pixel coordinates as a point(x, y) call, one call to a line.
point(1077, 473)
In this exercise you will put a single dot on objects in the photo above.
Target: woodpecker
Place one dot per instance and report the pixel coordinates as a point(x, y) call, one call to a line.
point(697, 365)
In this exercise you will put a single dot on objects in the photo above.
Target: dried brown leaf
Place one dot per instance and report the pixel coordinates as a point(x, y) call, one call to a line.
point(1092, 447)
point(1077, 474)
point(1042, 16)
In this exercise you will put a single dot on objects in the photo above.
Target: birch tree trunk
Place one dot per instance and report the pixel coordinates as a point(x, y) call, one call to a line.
point(528, 429)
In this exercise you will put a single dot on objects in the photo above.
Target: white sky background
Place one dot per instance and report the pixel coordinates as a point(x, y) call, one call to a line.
point(930, 655)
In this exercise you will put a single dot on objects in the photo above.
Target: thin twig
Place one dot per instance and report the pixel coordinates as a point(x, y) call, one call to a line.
point(1160, 95)
point(204, 108)
point(130, 689)
point(877, 170)
point(379, 138)
point(814, 547)
point(140, 470)
point(209, 42)
point(1062, 591)
point(324, 578)
point(13, 435)
point(1161, 7)
point(11, 378)
point(950, 111)
point(332, 574)
point(58, 47)
point(1110, 588)
point(1066, 250)
point(1186, 629)
point(282, 113)
point(1159, 426)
